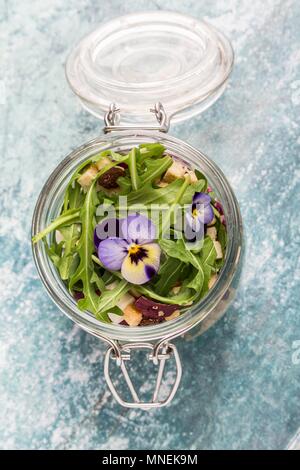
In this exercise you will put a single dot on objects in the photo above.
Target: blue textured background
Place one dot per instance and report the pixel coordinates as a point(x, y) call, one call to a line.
point(240, 387)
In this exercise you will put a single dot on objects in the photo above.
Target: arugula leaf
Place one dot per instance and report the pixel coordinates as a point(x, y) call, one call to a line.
point(149, 195)
point(98, 281)
point(196, 280)
point(132, 165)
point(167, 218)
point(54, 252)
point(208, 253)
point(201, 176)
point(171, 272)
point(116, 310)
point(179, 250)
point(185, 297)
point(155, 168)
point(151, 150)
point(85, 249)
point(68, 217)
point(109, 298)
point(125, 185)
point(71, 235)
point(74, 177)
point(221, 235)
point(117, 157)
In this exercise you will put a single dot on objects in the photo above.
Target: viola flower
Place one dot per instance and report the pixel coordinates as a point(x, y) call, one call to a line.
point(201, 213)
point(133, 251)
point(107, 228)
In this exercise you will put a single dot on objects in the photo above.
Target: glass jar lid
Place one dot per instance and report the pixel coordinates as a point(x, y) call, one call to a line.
point(137, 60)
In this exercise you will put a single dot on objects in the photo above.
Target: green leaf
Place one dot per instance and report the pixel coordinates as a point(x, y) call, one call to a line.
point(196, 280)
point(149, 195)
point(185, 297)
point(208, 253)
point(85, 249)
point(201, 176)
point(221, 235)
point(151, 150)
point(75, 175)
point(171, 272)
point(125, 185)
point(66, 218)
point(179, 250)
point(116, 310)
point(71, 235)
point(109, 298)
point(155, 168)
point(98, 281)
point(117, 157)
point(54, 252)
point(167, 217)
point(132, 165)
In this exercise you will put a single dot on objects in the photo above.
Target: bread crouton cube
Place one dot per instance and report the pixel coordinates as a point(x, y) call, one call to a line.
point(132, 315)
point(103, 162)
point(212, 232)
point(86, 179)
point(176, 171)
point(212, 281)
point(218, 248)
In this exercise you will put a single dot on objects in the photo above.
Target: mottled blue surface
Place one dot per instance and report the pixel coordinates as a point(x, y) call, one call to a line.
point(241, 381)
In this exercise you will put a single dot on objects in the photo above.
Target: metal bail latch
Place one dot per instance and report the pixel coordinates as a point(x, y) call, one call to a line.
point(112, 120)
point(158, 354)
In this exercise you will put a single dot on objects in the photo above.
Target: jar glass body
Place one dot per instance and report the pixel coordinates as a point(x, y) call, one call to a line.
point(210, 308)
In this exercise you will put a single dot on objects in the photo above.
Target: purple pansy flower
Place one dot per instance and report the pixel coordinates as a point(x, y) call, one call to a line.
point(129, 247)
point(201, 213)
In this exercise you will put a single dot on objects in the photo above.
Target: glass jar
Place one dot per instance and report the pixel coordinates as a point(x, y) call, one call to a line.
point(154, 338)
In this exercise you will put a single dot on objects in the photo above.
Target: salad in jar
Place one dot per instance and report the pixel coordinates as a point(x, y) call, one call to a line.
point(140, 236)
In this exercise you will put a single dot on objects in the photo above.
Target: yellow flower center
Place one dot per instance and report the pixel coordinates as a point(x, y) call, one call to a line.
point(133, 249)
point(195, 213)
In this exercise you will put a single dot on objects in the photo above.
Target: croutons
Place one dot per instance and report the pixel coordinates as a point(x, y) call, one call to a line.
point(212, 232)
point(85, 180)
point(125, 300)
point(212, 281)
point(112, 285)
point(192, 175)
point(114, 318)
point(173, 315)
point(176, 171)
point(179, 170)
point(218, 248)
point(176, 289)
point(132, 315)
point(162, 184)
point(100, 164)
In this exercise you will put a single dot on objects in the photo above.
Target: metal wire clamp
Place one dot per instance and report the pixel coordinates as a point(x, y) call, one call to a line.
point(159, 358)
point(112, 120)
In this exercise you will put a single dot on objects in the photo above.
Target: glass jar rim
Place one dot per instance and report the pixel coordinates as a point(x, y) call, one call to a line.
point(197, 312)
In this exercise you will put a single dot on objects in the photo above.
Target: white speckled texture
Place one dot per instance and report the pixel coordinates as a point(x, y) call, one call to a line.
point(240, 387)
